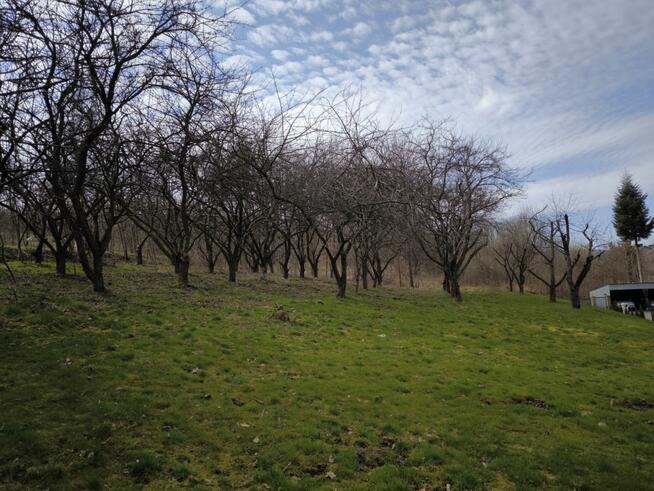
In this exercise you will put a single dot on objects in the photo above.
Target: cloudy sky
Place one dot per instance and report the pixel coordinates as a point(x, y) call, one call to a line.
point(566, 85)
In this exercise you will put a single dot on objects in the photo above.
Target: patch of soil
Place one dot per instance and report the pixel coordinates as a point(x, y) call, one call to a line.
point(316, 470)
point(369, 457)
point(530, 401)
point(638, 404)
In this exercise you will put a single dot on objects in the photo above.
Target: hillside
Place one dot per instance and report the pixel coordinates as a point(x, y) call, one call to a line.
point(213, 388)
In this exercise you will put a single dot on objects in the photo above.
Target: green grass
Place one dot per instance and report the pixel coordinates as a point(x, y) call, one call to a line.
point(153, 386)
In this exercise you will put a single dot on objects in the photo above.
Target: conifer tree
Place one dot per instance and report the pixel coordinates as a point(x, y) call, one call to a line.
point(631, 217)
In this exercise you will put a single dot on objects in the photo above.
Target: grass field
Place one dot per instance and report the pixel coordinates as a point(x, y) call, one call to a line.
point(151, 386)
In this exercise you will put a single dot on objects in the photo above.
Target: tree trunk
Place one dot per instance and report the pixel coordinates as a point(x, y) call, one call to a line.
point(19, 240)
point(639, 267)
point(341, 288)
point(314, 268)
point(38, 252)
point(446, 284)
point(521, 280)
point(210, 257)
point(182, 272)
point(552, 287)
point(411, 280)
point(364, 272)
point(341, 276)
point(629, 267)
point(575, 300)
point(60, 261)
point(455, 289)
point(98, 274)
point(302, 265)
point(232, 268)
point(286, 259)
point(139, 254)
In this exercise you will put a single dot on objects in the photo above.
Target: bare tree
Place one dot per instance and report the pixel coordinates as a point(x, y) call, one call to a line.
point(514, 250)
point(179, 124)
point(460, 185)
point(232, 197)
point(566, 234)
point(88, 64)
point(545, 246)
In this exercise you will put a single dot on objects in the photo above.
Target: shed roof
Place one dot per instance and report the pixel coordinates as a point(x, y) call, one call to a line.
point(607, 289)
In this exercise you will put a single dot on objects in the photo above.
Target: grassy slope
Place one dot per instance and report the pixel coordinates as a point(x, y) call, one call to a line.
point(389, 389)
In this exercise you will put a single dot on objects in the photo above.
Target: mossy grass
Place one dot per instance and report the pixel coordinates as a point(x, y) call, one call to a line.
point(150, 386)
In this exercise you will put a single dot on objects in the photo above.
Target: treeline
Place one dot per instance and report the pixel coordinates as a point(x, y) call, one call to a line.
point(118, 116)
point(612, 267)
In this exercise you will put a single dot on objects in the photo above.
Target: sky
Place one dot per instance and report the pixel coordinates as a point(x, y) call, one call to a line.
point(566, 85)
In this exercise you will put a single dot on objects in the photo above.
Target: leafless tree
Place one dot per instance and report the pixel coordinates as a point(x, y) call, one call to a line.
point(545, 246)
point(460, 185)
point(232, 192)
point(86, 66)
point(179, 124)
point(514, 250)
point(578, 245)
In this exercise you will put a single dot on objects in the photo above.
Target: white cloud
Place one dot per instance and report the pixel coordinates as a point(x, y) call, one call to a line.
point(359, 30)
point(403, 23)
point(280, 54)
point(288, 68)
point(237, 61)
point(269, 6)
point(317, 60)
point(591, 189)
point(321, 36)
point(270, 35)
point(559, 82)
point(494, 101)
point(243, 16)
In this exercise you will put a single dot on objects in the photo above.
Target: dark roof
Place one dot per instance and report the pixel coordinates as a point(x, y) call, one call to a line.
point(607, 289)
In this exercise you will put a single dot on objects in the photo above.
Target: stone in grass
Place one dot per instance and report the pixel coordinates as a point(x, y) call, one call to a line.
point(205, 397)
point(330, 475)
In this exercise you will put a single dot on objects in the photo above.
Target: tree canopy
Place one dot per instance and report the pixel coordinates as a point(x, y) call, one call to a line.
point(630, 214)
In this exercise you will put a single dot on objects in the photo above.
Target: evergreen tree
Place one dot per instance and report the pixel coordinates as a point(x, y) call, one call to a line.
point(631, 217)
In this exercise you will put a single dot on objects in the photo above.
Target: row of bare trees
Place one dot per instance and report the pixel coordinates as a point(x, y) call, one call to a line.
point(564, 248)
point(118, 115)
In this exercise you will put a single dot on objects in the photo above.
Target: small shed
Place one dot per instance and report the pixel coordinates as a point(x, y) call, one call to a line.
point(607, 296)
